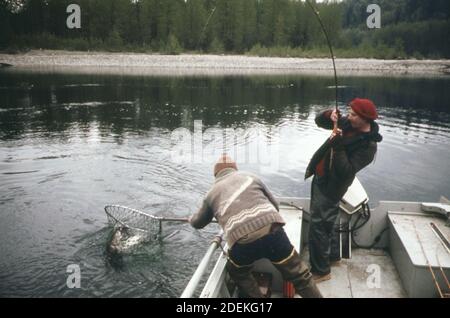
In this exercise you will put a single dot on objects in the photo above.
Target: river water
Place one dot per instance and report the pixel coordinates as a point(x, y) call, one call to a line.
point(71, 144)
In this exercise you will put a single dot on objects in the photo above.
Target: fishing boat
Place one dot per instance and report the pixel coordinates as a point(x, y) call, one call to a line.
point(398, 249)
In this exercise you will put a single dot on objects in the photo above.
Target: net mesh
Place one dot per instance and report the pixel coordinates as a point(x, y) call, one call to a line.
point(136, 222)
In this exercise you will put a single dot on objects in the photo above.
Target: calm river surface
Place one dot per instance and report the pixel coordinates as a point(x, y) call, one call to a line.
point(70, 144)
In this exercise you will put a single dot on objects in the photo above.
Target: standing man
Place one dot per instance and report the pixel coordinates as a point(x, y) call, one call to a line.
point(249, 216)
point(351, 148)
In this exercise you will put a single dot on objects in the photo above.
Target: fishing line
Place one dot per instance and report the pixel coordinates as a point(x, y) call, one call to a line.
point(316, 12)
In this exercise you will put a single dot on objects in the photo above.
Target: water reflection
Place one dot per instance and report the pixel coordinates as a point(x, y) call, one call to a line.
point(49, 103)
point(70, 144)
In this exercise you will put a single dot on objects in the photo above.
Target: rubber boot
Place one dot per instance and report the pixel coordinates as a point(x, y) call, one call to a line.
point(244, 279)
point(294, 269)
point(310, 292)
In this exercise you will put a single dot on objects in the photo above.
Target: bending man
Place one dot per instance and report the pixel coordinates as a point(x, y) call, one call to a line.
point(253, 226)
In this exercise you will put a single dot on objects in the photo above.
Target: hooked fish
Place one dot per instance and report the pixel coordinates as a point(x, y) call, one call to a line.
point(122, 240)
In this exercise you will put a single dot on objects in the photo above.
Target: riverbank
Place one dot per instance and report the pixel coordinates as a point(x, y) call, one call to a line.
point(105, 62)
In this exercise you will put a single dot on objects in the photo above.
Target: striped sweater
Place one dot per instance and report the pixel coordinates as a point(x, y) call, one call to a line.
point(240, 202)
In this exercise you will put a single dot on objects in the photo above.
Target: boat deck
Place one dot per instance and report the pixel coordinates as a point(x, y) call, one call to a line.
point(368, 274)
point(402, 266)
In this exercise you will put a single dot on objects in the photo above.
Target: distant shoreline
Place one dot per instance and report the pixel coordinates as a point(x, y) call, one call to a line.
point(189, 64)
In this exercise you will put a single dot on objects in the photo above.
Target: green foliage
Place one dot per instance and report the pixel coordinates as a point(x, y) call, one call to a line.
point(114, 41)
point(410, 28)
point(286, 51)
point(216, 46)
point(173, 46)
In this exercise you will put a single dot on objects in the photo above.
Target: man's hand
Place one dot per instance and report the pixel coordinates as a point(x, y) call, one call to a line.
point(334, 116)
point(336, 134)
point(336, 139)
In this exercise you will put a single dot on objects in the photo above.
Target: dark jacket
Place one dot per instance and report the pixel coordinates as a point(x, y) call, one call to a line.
point(350, 154)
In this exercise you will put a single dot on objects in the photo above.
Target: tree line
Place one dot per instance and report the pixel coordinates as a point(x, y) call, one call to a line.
point(410, 28)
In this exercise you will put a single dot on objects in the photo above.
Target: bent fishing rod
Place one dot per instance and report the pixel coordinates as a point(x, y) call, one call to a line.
point(316, 13)
point(335, 124)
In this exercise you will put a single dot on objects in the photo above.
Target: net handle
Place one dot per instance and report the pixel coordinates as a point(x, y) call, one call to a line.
point(185, 220)
point(159, 218)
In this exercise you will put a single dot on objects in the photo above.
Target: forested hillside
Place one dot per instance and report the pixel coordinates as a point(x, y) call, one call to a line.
point(409, 28)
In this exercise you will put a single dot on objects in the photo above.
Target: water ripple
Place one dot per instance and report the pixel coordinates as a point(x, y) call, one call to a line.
point(69, 147)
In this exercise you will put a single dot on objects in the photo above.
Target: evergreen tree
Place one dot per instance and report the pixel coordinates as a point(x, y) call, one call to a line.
point(249, 23)
point(409, 27)
point(193, 33)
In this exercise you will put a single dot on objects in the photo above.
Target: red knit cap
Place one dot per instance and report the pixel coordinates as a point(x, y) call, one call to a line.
point(224, 162)
point(365, 108)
